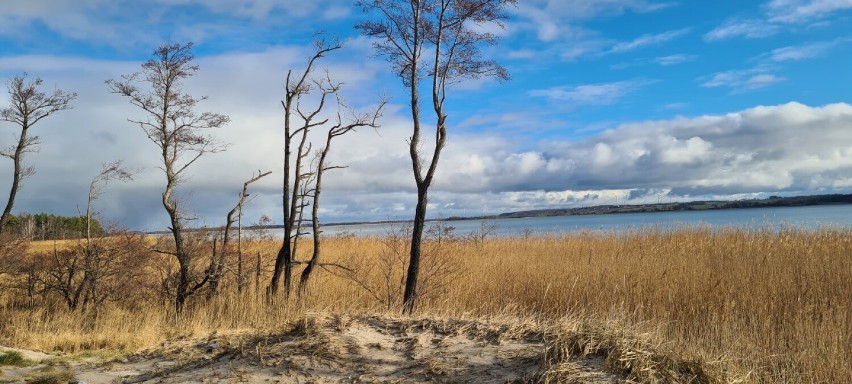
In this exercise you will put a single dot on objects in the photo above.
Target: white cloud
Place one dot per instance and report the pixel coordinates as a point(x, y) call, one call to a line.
point(789, 147)
point(522, 54)
point(801, 52)
point(125, 25)
point(780, 15)
point(798, 11)
point(751, 29)
point(674, 59)
point(591, 94)
point(762, 80)
point(743, 80)
point(687, 151)
point(674, 106)
point(785, 147)
point(648, 40)
point(558, 22)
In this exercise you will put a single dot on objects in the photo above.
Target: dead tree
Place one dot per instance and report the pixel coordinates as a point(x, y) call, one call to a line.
point(339, 129)
point(28, 107)
point(432, 40)
point(109, 171)
point(178, 131)
point(217, 269)
point(297, 87)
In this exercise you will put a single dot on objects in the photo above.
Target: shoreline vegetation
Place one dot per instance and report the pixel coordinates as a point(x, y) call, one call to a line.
point(674, 305)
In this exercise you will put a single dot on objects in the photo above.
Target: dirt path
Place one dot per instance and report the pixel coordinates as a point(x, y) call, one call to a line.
point(335, 350)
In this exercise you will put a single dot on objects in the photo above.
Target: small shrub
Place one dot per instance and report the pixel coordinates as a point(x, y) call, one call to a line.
point(13, 358)
point(50, 377)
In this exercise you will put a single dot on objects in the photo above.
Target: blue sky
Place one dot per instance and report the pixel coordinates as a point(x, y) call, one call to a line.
point(610, 101)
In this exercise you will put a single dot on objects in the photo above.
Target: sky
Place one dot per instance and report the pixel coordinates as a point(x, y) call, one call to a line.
point(609, 102)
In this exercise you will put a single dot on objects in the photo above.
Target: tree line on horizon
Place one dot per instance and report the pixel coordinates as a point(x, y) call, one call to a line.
point(429, 44)
point(47, 226)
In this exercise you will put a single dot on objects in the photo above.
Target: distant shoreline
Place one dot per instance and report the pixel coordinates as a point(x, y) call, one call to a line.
point(610, 209)
point(704, 205)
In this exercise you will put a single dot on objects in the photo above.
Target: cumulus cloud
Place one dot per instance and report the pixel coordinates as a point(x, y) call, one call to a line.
point(787, 147)
point(76, 142)
point(767, 148)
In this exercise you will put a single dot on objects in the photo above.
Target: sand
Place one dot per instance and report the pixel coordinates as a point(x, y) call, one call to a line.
point(364, 349)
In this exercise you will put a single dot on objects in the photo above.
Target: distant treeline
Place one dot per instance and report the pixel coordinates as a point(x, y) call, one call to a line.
point(772, 201)
point(43, 226)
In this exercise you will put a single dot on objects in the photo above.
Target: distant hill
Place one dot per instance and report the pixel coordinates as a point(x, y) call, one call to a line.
point(773, 201)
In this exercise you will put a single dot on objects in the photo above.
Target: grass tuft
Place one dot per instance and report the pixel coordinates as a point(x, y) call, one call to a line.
point(13, 358)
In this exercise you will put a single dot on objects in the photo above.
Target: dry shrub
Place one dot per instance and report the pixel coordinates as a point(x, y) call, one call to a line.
point(383, 276)
point(82, 274)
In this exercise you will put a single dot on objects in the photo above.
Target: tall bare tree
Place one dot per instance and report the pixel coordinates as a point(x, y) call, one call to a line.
point(28, 107)
point(342, 127)
point(432, 40)
point(179, 132)
point(298, 121)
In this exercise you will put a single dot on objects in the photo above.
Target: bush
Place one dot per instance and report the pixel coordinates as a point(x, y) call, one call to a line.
point(13, 358)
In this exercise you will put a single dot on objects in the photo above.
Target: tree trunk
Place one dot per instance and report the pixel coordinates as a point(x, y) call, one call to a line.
point(410, 295)
point(16, 178)
point(180, 252)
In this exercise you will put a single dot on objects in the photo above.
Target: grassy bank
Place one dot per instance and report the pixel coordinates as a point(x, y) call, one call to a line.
point(761, 306)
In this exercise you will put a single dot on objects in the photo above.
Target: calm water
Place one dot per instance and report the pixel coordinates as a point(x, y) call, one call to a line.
point(799, 217)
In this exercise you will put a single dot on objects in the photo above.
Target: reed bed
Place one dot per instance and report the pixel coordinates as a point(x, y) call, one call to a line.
point(760, 306)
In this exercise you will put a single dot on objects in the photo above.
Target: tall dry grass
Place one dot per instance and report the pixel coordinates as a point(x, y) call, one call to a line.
point(762, 305)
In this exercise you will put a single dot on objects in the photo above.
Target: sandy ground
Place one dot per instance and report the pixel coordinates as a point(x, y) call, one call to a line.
point(330, 350)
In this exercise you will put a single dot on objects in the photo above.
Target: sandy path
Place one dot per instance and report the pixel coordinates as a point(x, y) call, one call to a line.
point(335, 350)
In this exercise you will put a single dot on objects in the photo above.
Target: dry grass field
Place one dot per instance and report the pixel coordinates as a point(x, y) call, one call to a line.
point(753, 306)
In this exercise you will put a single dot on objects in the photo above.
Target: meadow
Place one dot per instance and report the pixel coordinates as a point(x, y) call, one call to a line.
point(753, 306)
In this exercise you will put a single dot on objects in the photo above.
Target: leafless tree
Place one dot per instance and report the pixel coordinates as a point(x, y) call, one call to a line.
point(217, 268)
point(297, 87)
point(178, 131)
point(28, 107)
point(109, 172)
point(433, 40)
point(340, 128)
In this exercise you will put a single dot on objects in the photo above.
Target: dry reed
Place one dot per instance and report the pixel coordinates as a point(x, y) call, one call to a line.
point(757, 305)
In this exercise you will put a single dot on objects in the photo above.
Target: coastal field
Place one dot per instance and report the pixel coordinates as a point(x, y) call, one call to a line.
point(736, 305)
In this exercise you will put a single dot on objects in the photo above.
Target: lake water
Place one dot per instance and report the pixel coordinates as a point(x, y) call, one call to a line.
point(810, 217)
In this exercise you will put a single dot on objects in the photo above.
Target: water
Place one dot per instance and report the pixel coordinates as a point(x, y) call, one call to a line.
point(811, 217)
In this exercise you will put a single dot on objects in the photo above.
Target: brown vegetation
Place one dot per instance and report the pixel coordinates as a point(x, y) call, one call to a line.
point(760, 306)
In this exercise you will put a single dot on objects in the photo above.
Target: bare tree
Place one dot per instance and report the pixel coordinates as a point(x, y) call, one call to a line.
point(28, 107)
point(355, 121)
point(109, 172)
point(297, 87)
point(178, 131)
point(434, 40)
point(217, 268)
